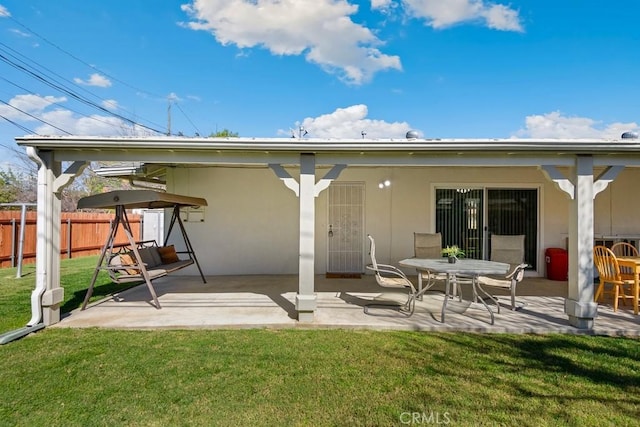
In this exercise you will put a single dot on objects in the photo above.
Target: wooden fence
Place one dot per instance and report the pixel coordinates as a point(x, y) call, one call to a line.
point(81, 233)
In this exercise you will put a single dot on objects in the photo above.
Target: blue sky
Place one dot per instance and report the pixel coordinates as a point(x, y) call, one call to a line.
point(265, 68)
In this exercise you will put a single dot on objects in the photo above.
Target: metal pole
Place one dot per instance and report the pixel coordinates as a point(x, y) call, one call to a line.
point(13, 242)
point(23, 220)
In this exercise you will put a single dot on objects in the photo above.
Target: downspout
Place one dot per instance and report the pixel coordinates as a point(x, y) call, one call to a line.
point(36, 323)
point(41, 285)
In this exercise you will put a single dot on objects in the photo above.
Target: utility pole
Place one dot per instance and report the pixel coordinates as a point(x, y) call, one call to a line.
point(169, 117)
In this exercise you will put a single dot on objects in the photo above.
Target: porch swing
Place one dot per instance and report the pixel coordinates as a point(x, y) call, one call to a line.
point(140, 261)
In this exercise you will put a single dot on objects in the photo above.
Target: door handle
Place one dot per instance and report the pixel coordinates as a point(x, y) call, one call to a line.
point(330, 230)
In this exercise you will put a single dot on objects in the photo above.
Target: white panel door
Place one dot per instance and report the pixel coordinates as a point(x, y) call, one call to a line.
point(345, 234)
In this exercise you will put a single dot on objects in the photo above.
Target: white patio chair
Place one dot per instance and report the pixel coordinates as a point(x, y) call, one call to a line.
point(389, 276)
point(428, 246)
point(510, 281)
point(510, 250)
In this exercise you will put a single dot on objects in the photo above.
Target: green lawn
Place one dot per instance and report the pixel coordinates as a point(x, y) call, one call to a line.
point(303, 377)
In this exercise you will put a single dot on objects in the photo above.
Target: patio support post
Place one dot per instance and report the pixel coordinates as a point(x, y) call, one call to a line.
point(579, 305)
point(306, 297)
point(47, 295)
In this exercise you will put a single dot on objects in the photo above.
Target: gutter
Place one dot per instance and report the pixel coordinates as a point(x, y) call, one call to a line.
point(320, 145)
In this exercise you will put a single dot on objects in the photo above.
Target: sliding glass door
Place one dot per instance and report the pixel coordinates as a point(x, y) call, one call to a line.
point(459, 218)
point(467, 217)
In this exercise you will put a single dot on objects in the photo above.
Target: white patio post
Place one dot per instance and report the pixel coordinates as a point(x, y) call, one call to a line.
point(47, 295)
point(306, 297)
point(307, 190)
point(579, 305)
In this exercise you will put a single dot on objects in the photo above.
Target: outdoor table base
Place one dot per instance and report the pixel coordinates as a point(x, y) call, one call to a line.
point(464, 271)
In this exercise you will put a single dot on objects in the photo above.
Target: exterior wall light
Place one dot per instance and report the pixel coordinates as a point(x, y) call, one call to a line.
point(384, 184)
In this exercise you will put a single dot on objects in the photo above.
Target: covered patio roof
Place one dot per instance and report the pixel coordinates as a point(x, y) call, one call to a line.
point(579, 167)
point(260, 151)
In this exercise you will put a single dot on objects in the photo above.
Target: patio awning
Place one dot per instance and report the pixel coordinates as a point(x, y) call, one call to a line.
point(132, 199)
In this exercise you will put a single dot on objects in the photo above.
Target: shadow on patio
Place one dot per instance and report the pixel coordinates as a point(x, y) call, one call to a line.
point(269, 302)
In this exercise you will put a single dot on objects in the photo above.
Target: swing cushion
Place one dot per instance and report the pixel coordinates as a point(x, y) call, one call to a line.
point(168, 254)
point(155, 264)
point(149, 256)
point(128, 259)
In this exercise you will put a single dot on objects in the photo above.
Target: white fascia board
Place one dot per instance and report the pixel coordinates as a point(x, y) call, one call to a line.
point(260, 151)
point(317, 145)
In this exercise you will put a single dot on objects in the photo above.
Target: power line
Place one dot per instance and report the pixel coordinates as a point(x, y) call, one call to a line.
point(25, 64)
point(187, 117)
point(25, 129)
point(60, 79)
point(92, 117)
point(34, 117)
point(80, 60)
point(72, 94)
point(63, 88)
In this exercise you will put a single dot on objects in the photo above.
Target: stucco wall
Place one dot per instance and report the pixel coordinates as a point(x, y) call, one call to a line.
point(251, 223)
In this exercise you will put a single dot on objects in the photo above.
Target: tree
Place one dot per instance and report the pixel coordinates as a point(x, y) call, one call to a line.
point(10, 184)
point(224, 133)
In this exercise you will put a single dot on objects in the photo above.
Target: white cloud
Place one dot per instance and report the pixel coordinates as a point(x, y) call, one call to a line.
point(556, 125)
point(442, 14)
point(349, 122)
point(98, 125)
point(381, 4)
point(31, 104)
point(49, 110)
point(110, 104)
point(384, 6)
point(4, 13)
point(500, 17)
point(80, 125)
point(322, 30)
point(95, 79)
point(19, 33)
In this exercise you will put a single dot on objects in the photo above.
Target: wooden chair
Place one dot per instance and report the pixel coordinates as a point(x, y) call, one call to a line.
point(610, 274)
point(624, 249)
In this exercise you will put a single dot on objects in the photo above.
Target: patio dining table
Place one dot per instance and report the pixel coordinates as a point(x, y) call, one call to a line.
point(468, 268)
point(633, 263)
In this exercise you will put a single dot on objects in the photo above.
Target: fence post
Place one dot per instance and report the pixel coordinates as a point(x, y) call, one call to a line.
point(23, 225)
point(13, 242)
point(69, 252)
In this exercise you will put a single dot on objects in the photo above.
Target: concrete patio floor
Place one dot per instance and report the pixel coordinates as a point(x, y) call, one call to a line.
point(269, 302)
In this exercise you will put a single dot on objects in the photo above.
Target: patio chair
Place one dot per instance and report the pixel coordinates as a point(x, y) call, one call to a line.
point(389, 276)
point(510, 250)
point(625, 249)
point(610, 274)
point(427, 245)
point(510, 281)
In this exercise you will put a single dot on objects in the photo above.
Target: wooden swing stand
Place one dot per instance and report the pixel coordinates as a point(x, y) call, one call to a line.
point(141, 261)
